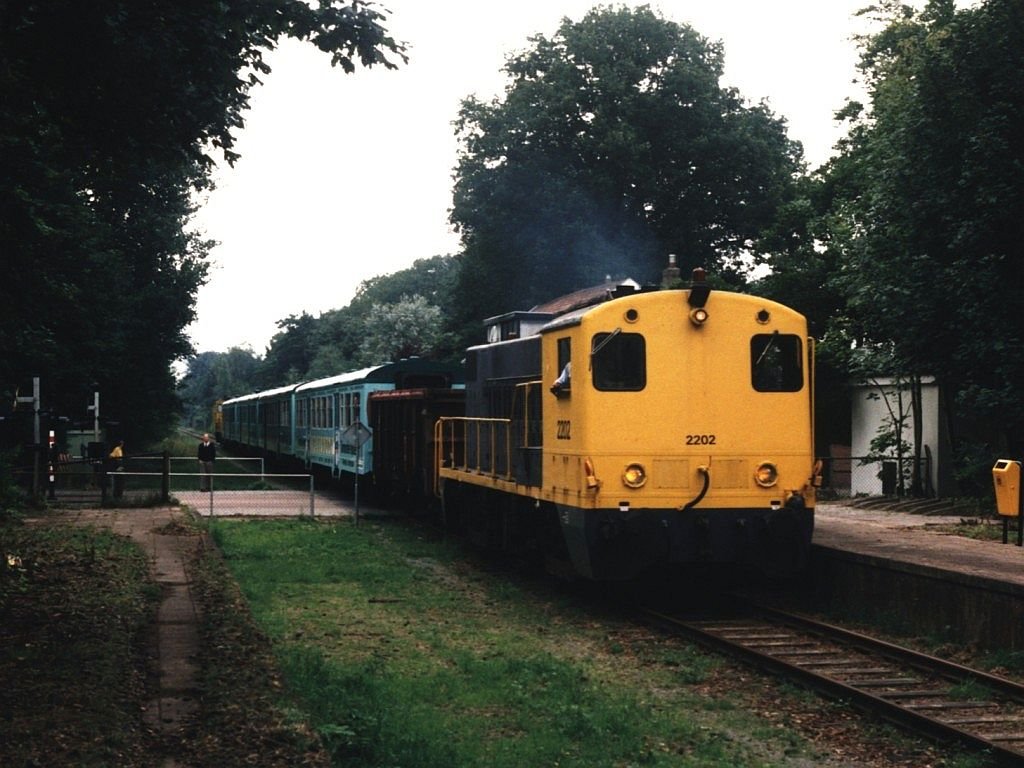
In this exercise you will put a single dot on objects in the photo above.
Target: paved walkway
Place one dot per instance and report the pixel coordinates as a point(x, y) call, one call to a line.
point(918, 541)
point(274, 503)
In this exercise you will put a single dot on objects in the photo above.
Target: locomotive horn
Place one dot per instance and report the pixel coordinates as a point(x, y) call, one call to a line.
point(699, 289)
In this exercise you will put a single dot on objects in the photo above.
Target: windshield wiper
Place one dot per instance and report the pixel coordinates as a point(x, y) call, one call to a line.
point(769, 345)
point(604, 342)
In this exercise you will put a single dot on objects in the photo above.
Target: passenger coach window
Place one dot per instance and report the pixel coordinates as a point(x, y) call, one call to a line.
point(619, 361)
point(776, 362)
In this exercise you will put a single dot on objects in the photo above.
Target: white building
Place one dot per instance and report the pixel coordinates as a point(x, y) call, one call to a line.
point(877, 405)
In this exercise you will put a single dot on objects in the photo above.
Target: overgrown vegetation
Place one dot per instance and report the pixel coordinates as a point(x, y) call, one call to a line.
point(76, 605)
point(78, 655)
point(112, 115)
point(241, 720)
point(982, 529)
point(404, 659)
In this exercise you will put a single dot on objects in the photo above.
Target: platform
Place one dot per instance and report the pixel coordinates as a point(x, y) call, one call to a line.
point(909, 567)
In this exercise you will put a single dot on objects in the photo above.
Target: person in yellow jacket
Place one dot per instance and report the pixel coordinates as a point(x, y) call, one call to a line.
point(115, 462)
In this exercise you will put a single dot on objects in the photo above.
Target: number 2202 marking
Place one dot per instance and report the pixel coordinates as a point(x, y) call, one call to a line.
point(700, 439)
point(563, 429)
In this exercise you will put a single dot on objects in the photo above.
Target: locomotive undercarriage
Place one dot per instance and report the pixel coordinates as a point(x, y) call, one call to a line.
point(614, 545)
point(610, 544)
point(505, 522)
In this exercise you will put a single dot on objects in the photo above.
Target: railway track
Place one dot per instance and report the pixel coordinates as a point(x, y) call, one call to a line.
point(931, 696)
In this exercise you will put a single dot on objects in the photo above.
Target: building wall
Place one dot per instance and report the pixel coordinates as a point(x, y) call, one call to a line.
point(870, 412)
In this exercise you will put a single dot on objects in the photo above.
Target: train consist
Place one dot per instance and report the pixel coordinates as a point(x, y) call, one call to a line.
point(612, 431)
point(324, 424)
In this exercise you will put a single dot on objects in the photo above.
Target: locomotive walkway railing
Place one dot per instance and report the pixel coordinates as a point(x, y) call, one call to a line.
point(470, 444)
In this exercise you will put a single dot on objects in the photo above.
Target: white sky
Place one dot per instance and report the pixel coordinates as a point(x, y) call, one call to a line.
point(346, 177)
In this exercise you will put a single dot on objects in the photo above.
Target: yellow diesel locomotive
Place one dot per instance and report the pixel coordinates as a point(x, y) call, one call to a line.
point(631, 429)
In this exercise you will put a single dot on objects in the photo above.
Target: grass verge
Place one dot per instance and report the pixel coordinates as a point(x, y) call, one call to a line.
point(400, 653)
point(240, 722)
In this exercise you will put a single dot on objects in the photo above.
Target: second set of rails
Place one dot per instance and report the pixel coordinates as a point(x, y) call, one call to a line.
point(925, 694)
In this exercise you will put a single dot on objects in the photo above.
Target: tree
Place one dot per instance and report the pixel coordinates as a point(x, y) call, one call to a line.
point(213, 376)
point(408, 328)
point(432, 278)
point(291, 351)
point(111, 113)
point(340, 333)
point(927, 206)
point(614, 145)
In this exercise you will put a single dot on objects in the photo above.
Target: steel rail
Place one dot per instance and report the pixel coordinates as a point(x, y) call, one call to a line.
point(903, 686)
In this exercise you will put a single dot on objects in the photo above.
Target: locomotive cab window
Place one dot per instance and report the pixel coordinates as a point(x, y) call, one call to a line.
point(563, 384)
point(776, 362)
point(619, 361)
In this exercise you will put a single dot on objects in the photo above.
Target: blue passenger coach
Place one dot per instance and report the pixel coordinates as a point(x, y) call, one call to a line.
point(263, 422)
point(318, 422)
point(278, 414)
point(328, 411)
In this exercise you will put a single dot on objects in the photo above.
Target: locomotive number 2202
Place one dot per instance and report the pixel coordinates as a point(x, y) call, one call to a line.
point(700, 439)
point(563, 430)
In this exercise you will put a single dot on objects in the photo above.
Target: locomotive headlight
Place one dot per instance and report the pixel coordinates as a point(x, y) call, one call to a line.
point(698, 316)
point(634, 475)
point(766, 474)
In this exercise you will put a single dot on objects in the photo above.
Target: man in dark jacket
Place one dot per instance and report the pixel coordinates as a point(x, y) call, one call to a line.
point(206, 454)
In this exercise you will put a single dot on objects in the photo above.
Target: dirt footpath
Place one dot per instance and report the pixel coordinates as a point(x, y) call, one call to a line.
point(169, 545)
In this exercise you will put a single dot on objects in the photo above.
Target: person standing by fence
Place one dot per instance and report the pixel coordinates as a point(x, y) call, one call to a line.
point(206, 454)
point(115, 464)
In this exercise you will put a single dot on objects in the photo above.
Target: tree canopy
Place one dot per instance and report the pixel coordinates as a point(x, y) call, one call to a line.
point(614, 145)
point(111, 115)
point(906, 247)
point(391, 317)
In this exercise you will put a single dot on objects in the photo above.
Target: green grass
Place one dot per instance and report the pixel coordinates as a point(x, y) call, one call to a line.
point(982, 529)
point(1005, 662)
point(400, 654)
point(377, 644)
point(970, 690)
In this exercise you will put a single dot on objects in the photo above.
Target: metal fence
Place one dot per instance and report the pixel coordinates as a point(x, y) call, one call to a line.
point(151, 480)
point(186, 464)
point(235, 494)
point(845, 477)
